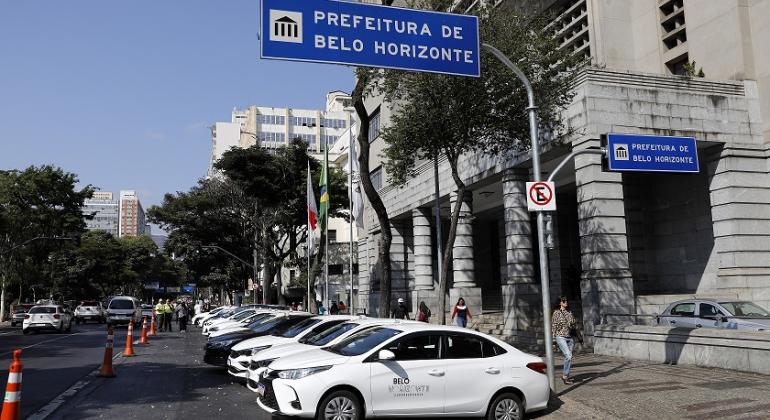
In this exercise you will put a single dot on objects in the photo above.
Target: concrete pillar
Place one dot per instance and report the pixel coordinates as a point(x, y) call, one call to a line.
point(424, 287)
point(520, 290)
point(606, 284)
point(464, 284)
point(400, 256)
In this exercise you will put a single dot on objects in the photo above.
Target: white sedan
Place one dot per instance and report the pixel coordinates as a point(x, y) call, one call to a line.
point(236, 316)
point(203, 316)
point(407, 370)
point(241, 353)
point(47, 317)
point(331, 336)
point(235, 324)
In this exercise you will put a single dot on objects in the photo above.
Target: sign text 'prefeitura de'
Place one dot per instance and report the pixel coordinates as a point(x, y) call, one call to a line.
point(370, 35)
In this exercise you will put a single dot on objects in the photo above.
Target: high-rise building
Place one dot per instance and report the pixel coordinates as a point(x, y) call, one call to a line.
point(224, 136)
point(103, 211)
point(132, 219)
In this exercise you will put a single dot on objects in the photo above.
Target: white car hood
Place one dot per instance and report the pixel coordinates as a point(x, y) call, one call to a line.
point(310, 358)
point(267, 340)
point(228, 324)
point(284, 350)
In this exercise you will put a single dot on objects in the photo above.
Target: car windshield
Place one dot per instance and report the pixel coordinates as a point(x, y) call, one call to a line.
point(121, 304)
point(146, 306)
point(748, 309)
point(43, 310)
point(328, 335)
point(258, 319)
point(243, 315)
point(361, 342)
point(89, 304)
point(293, 330)
point(281, 323)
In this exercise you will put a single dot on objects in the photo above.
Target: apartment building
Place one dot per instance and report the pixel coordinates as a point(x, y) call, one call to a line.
point(132, 218)
point(624, 243)
point(103, 212)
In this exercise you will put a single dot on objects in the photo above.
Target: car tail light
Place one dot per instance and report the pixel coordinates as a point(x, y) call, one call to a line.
point(26, 316)
point(57, 316)
point(538, 367)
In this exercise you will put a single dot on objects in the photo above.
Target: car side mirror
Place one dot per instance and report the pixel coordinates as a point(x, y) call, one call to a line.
point(385, 355)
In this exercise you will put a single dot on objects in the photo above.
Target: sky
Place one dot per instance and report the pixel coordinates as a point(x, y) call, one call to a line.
point(122, 93)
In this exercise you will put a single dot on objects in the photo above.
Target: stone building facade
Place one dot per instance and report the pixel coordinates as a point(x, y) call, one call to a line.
point(624, 243)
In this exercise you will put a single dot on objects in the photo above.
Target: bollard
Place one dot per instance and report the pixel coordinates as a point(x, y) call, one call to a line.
point(12, 401)
point(106, 370)
point(129, 350)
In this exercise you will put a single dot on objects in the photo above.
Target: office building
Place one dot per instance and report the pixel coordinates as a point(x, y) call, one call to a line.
point(103, 211)
point(132, 218)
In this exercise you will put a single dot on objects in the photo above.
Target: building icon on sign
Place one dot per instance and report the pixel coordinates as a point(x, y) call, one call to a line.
point(285, 26)
point(620, 151)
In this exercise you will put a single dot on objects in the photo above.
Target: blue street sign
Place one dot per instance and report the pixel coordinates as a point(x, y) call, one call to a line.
point(360, 34)
point(634, 152)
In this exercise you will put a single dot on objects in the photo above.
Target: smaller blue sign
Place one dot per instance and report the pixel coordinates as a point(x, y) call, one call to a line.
point(642, 153)
point(361, 34)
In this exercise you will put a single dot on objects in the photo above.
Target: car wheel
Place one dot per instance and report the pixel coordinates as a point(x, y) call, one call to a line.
point(340, 405)
point(507, 406)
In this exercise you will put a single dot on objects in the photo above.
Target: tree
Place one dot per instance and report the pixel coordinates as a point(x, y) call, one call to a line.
point(457, 116)
point(36, 202)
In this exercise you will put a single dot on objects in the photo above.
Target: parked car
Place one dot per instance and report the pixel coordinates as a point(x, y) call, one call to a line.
point(715, 313)
point(123, 309)
point(148, 311)
point(18, 312)
point(407, 370)
point(90, 311)
point(199, 318)
point(47, 317)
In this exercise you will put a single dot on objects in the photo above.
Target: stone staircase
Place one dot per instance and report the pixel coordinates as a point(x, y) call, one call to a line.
point(492, 323)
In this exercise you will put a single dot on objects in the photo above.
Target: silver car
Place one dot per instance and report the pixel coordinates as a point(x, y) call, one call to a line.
point(715, 313)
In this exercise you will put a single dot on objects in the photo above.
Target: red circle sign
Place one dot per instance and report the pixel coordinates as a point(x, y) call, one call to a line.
point(540, 193)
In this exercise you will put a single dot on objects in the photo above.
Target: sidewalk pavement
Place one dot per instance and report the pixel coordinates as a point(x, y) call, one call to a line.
point(168, 380)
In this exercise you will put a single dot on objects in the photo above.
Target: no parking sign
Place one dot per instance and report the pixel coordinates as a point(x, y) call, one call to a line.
point(541, 196)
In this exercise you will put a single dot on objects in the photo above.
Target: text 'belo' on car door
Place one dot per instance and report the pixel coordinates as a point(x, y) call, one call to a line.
point(474, 372)
point(413, 383)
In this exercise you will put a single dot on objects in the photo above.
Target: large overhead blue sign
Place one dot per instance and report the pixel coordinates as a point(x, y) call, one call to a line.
point(634, 152)
point(370, 35)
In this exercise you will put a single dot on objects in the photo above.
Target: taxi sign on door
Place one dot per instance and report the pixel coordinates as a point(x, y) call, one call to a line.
point(541, 196)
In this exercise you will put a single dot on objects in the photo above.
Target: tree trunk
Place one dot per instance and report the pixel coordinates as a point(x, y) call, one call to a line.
point(2, 300)
point(371, 193)
point(451, 237)
point(279, 283)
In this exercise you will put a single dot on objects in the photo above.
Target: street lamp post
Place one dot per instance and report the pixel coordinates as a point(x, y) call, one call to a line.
point(533, 135)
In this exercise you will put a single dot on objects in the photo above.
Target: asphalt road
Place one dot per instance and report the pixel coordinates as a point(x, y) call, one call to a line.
point(53, 362)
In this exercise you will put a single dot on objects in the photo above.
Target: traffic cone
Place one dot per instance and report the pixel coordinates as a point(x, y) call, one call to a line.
point(129, 350)
point(143, 338)
point(152, 326)
point(106, 369)
point(12, 402)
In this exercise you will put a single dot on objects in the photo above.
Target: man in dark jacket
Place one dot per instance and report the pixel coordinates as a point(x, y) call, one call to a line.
point(401, 311)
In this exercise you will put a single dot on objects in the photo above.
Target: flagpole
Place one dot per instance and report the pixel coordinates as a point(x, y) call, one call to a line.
point(309, 232)
point(326, 226)
point(350, 206)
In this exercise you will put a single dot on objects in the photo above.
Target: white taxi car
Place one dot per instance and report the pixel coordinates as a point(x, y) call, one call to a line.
point(198, 319)
point(241, 353)
point(261, 360)
point(240, 314)
point(238, 321)
point(407, 370)
point(47, 317)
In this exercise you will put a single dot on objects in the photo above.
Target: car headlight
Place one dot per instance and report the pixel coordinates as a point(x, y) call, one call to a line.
point(301, 373)
point(222, 344)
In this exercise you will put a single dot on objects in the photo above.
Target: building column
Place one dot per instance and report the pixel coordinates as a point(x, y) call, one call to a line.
point(423, 262)
point(606, 285)
point(464, 284)
point(521, 293)
point(399, 261)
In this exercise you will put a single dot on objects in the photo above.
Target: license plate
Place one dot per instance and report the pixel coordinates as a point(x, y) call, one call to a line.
point(261, 389)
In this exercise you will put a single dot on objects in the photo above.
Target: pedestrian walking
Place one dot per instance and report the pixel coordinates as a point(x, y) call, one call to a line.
point(562, 323)
point(333, 308)
point(424, 313)
point(161, 315)
point(461, 313)
point(321, 309)
point(341, 307)
point(401, 311)
point(181, 315)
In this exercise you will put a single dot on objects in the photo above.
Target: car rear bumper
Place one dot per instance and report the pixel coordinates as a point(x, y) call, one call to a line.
point(43, 326)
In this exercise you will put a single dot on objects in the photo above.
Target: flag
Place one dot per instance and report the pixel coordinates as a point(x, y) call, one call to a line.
point(358, 201)
point(312, 215)
point(324, 189)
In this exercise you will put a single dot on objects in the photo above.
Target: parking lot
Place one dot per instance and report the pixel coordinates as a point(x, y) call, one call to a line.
point(168, 379)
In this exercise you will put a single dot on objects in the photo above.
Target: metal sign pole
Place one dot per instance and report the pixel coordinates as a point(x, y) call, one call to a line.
point(533, 135)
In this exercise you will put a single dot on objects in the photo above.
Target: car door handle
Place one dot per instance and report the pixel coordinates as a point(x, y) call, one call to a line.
point(672, 322)
point(492, 371)
point(436, 372)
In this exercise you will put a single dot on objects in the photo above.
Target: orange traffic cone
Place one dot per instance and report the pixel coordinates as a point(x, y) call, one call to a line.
point(106, 369)
point(129, 350)
point(152, 326)
point(143, 338)
point(12, 402)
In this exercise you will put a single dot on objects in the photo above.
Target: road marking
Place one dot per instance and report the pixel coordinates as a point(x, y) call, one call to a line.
point(62, 398)
point(43, 342)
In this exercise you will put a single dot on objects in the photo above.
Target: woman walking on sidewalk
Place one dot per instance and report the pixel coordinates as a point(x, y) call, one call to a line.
point(562, 323)
point(181, 316)
point(424, 313)
point(461, 313)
